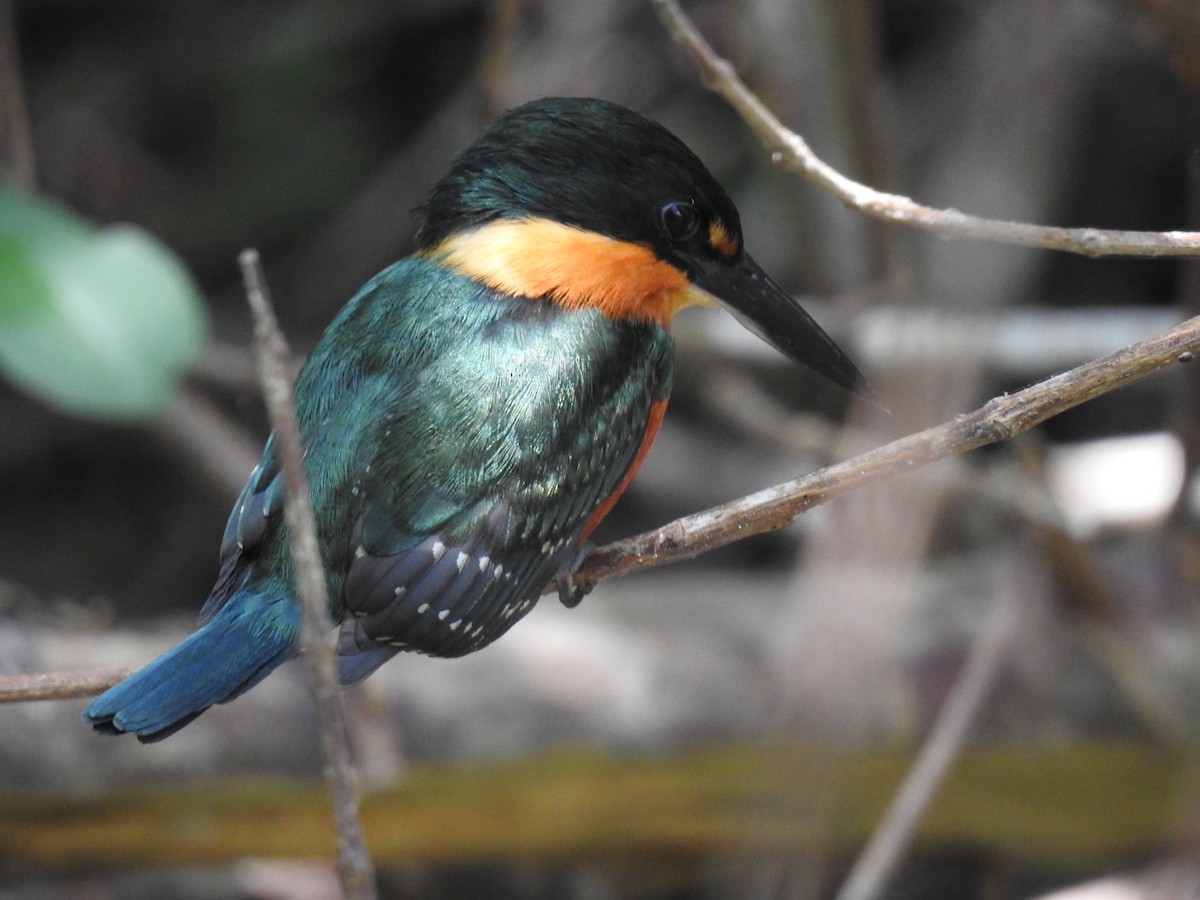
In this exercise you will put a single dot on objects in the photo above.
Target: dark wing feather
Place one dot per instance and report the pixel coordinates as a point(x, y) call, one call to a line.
point(254, 514)
point(484, 467)
point(457, 441)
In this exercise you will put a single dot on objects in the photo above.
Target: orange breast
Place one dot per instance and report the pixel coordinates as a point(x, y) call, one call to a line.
point(657, 408)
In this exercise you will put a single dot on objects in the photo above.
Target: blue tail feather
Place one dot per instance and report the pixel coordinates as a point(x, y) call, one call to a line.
point(233, 651)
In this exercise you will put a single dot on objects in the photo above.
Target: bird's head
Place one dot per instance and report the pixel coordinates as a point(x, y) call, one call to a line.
point(591, 204)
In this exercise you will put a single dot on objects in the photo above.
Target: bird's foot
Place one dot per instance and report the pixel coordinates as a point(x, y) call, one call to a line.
point(569, 593)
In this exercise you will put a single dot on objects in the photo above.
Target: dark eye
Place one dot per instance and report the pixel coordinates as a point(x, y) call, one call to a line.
point(680, 219)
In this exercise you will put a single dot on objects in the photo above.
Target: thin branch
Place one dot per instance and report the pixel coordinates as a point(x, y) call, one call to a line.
point(895, 831)
point(354, 864)
point(790, 151)
point(998, 420)
point(776, 507)
point(59, 685)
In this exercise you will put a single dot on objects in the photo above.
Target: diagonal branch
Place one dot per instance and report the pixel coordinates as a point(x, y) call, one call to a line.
point(997, 420)
point(792, 152)
point(776, 507)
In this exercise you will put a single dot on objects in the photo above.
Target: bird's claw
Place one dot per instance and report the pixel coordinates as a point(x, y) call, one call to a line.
point(570, 594)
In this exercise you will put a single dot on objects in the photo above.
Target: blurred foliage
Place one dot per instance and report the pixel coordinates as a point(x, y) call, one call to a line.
point(1043, 805)
point(95, 321)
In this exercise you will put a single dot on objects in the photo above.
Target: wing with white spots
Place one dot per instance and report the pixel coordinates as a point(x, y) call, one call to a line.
point(444, 599)
point(457, 442)
point(482, 477)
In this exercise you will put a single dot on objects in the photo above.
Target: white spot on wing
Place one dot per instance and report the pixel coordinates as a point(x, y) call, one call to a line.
point(442, 615)
point(461, 562)
point(438, 549)
point(423, 608)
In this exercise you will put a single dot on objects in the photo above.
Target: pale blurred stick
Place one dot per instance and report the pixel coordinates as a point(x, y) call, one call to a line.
point(355, 868)
point(792, 152)
point(894, 833)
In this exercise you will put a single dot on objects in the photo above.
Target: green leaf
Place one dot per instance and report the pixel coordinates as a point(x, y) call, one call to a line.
point(95, 321)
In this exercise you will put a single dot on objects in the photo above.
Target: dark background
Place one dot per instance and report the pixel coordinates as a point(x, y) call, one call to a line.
point(311, 130)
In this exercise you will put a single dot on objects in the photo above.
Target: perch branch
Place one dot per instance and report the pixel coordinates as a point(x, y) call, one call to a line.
point(59, 685)
point(354, 864)
point(997, 420)
point(792, 152)
point(776, 507)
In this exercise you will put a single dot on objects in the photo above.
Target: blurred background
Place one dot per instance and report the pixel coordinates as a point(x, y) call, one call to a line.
point(726, 728)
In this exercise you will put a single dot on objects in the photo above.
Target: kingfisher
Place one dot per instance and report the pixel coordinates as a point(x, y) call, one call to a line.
point(477, 408)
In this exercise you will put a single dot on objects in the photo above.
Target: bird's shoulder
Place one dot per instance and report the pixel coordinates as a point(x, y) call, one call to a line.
point(432, 401)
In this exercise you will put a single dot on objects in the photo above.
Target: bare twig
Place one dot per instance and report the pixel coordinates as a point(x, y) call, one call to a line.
point(874, 866)
point(790, 151)
point(998, 420)
point(354, 864)
point(59, 685)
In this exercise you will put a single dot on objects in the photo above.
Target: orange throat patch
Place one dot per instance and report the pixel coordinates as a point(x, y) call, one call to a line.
point(573, 267)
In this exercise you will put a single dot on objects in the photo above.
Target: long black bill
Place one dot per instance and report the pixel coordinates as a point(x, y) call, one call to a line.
point(767, 310)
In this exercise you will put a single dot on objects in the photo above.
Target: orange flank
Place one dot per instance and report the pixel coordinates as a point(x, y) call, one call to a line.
point(657, 408)
point(721, 240)
point(576, 268)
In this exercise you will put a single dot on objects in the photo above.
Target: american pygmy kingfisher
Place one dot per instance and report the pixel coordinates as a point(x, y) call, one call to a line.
point(478, 407)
